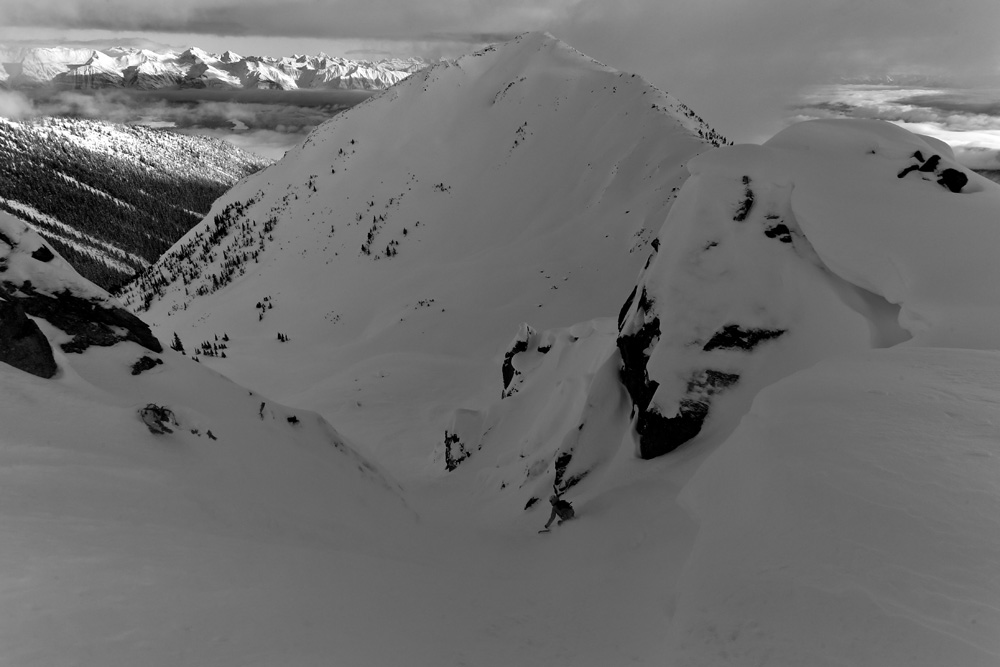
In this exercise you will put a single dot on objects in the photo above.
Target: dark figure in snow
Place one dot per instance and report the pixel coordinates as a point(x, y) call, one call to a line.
point(560, 508)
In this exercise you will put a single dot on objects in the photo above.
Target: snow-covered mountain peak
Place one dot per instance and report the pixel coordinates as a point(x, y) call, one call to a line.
point(462, 200)
point(230, 57)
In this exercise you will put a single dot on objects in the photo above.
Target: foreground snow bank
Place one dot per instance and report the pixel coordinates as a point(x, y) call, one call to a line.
point(852, 518)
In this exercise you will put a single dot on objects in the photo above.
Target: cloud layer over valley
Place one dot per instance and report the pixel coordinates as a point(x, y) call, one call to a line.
point(263, 121)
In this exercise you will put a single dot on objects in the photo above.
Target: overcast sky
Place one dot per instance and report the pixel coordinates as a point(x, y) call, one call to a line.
point(738, 63)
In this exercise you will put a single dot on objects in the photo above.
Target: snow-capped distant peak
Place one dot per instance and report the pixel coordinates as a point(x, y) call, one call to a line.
point(145, 69)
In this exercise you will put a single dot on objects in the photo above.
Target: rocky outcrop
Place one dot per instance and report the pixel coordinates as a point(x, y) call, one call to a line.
point(659, 435)
point(89, 322)
point(518, 345)
point(743, 210)
point(22, 343)
point(158, 419)
point(145, 363)
point(952, 179)
point(462, 437)
point(733, 337)
point(948, 178)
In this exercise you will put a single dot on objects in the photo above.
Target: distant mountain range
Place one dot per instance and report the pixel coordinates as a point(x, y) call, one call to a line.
point(112, 198)
point(142, 69)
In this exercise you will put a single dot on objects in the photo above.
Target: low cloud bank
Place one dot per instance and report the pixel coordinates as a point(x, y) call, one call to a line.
point(966, 119)
point(265, 122)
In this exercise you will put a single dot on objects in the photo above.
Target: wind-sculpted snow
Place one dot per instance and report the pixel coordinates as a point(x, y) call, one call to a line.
point(777, 256)
point(852, 518)
point(911, 240)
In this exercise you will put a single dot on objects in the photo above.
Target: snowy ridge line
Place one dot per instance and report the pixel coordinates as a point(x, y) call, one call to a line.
point(93, 190)
point(75, 237)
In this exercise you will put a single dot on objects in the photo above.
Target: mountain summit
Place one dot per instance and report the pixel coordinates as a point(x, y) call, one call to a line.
point(522, 182)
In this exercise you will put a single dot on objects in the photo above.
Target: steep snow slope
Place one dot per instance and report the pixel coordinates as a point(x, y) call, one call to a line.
point(117, 540)
point(404, 241)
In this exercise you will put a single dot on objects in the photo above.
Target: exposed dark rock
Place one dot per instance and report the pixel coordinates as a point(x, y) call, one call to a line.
point(561, 462)
point(659, 435)
point(508, 370)
point(633, 349)
point(625, 308)
point(563, 482)
point(732, 337)
point(292, 420)
point(655, 243)
point(544, 349)
point(953, 179)
point(931, 165)
point(531, 501)
point(779, 231)
point(744, 208)
point(454, 451)
point(22, 343)
point(88, 322)
point(157, 418)
point(144, 364)
point(43, 254)
point(919, 156)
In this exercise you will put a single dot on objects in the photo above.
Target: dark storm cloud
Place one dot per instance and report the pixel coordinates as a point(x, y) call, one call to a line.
point(471, 21)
